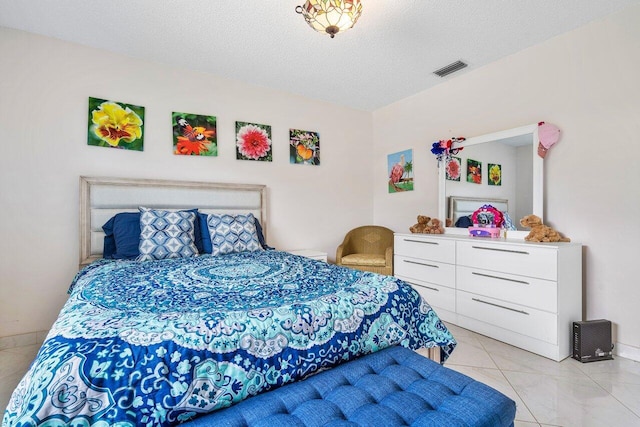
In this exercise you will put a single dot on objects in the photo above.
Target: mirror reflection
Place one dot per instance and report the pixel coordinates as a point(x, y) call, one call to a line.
point(499, 172)
point(500, 169)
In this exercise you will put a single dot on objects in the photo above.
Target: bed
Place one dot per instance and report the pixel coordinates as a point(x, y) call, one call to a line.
point(162, 341)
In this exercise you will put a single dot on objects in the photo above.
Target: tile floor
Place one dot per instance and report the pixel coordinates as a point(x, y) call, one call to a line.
point(547, 393)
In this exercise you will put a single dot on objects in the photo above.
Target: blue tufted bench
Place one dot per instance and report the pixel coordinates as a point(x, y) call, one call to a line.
point(393, 387)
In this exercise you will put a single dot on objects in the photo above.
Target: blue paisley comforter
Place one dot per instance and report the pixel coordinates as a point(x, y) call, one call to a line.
point(159, 342)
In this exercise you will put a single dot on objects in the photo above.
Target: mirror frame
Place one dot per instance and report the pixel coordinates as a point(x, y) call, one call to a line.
point(538, 172)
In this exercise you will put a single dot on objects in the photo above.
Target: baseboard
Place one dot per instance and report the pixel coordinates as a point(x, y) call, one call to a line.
point(627, 351)
point(21, 340)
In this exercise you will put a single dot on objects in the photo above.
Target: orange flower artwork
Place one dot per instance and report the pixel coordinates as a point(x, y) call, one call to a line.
point(194, 135)
point(474, 171)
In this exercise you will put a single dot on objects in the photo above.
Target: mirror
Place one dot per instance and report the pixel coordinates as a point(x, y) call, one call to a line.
point(514, 182)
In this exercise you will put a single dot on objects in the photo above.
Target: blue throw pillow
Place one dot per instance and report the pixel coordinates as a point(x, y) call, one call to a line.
point(166, 234)
point(206, 238)
point(122, 236)
point(232, 233)
point(109, 243)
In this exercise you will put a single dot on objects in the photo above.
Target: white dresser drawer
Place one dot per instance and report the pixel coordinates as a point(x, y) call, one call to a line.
point(435, 295)
point(425, 270)
point(523, 290)
point(523, 260)
point(423, 246)
point(523, 320)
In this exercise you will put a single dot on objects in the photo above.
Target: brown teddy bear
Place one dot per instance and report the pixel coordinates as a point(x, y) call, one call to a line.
point(434, 226)
point(421, 225)
point(540, 232)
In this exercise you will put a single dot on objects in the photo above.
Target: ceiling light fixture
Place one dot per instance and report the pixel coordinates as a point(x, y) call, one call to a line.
point(330, 16)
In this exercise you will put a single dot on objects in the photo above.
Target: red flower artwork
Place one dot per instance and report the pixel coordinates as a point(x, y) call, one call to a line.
point(453, 169)
point(253, 142)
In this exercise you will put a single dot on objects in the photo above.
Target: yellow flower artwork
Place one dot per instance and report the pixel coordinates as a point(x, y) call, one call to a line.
point(114, 124)
point(495, 174)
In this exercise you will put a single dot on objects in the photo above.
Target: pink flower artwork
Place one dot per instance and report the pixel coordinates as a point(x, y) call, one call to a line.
point(253, 142)
point(453, 169)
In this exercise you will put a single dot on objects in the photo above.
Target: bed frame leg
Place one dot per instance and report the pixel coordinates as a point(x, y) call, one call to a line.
point(434, 354)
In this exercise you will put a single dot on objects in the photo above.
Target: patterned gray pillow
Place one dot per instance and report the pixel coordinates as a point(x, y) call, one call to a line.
point(232, 233)
point(166, 234)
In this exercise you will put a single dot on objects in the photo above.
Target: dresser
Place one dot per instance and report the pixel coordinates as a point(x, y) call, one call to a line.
point(524, 294)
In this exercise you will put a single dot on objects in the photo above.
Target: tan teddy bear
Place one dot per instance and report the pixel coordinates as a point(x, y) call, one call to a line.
point(434, 226)
point(540, 232)
point(421, 225)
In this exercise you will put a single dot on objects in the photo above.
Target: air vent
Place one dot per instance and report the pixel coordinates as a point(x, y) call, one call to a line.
point(451, 68)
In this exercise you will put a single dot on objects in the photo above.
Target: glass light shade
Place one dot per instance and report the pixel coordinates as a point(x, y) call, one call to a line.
point(330, 16)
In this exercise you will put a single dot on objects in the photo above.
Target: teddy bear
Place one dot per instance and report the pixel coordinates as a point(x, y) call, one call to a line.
point(540, 232)
point(421, 225)
point(434, 226)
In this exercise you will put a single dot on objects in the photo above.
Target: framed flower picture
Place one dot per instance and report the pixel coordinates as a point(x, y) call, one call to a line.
point(194, 135)
point(474, 171)
point(115, 124)
point(453, 168)
point(253, 142)
point(495, 174)
point(304, 147)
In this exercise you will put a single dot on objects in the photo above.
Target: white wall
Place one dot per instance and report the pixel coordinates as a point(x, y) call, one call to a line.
point(587, 83)
point(44, 89)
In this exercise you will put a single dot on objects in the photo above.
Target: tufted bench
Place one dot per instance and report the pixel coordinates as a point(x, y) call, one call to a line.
point(393, 387)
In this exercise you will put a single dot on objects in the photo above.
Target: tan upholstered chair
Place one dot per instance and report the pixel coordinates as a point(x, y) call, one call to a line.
point(367, 248)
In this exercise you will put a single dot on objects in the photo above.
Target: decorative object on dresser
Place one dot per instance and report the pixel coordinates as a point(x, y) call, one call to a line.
point(540, 232)
point(524, 294)
point(427, 225)
point(487, 221)
point(367, 248)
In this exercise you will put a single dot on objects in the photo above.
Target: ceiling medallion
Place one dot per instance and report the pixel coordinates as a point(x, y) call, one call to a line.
point(330, 16)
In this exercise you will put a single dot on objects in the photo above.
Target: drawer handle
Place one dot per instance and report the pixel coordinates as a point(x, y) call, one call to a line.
point(500, 306)
point(421, 241)
point(500, 278)
point(501, 250)
point(421, 263)
point(423, 286)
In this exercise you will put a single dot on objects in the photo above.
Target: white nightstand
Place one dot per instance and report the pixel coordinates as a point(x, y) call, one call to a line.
point(310, 253)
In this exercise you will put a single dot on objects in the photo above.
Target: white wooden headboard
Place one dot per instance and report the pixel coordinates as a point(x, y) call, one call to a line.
point(463, 206)
point(101, 198)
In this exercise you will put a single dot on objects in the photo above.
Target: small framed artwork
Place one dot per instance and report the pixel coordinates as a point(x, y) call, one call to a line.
point(115, 124)
point(304, 147)
point(400, 171)
point(474, 171)
point(453, 168)
point(495, 174)
point(253, 142)
point(194, 135)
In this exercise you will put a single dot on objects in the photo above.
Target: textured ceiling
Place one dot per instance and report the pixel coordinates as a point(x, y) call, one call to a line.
point(390, 53)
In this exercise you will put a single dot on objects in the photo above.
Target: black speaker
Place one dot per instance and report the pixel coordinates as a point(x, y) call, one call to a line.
point(592, 340)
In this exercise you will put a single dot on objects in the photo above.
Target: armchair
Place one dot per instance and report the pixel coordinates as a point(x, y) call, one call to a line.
point(367, 248)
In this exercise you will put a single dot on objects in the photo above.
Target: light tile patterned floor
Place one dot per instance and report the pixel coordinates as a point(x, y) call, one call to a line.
point(547, 393)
